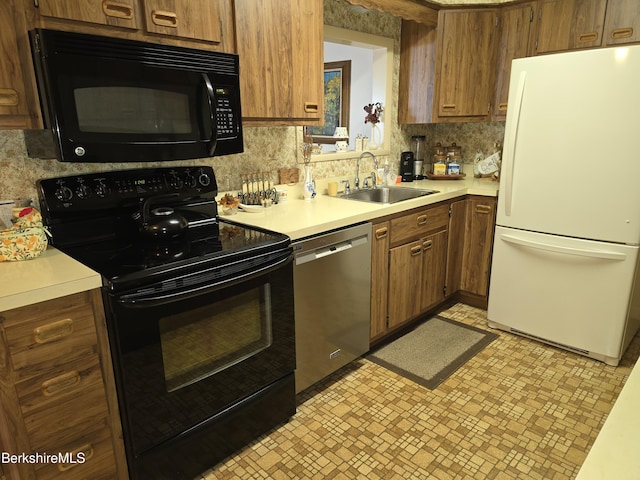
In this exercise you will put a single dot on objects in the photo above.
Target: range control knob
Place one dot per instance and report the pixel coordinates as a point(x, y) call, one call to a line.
point(175, 182)
point(83, 191)
point(63, 193)
point(101, 189)
point(204, 179)
point(190, 181)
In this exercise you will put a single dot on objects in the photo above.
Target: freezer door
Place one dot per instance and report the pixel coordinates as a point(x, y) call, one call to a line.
point(572, 292)
point(570, 160)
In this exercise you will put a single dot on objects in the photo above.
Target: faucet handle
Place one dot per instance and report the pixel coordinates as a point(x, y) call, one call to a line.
point(347, 187)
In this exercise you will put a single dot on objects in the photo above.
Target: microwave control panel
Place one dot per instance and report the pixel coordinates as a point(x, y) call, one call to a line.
point(226, 118)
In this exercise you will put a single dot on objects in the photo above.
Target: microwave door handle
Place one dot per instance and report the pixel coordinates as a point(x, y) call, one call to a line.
point(211, 100)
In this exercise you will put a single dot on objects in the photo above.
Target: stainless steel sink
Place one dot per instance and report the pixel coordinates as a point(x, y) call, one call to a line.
point(388, 194)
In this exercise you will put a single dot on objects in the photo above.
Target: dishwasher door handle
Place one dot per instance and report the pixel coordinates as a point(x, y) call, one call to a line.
point(332, 249)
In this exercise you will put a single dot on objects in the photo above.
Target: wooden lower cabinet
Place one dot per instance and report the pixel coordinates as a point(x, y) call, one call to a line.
point(424, 257)
point(379, 277)
point(57, 391)
point(434, 269)
point(478, 245)
point(405, 283)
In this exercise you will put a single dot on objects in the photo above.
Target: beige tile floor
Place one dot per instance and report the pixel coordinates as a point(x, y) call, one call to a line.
point(517, 410)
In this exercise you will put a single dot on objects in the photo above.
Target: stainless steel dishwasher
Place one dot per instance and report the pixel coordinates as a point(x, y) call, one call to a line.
point(332, 291)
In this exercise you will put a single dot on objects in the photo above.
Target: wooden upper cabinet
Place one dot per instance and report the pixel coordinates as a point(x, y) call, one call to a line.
point(622, 23)
point(467, 47)
point(280, 44)
point(196, 19)
point(18, 99)
point(516, 41)
point(569, 24)
point(119, 13)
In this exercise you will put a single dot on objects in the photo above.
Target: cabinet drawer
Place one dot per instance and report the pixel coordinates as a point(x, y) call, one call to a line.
point(41, 337)
point(48, 428)
point(417, 224)
point(92, 454)
point(51, 390)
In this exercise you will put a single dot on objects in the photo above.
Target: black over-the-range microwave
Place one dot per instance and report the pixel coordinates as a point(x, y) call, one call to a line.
point(113, 100)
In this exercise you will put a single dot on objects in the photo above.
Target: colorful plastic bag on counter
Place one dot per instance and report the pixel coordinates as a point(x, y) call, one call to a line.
point(27, 237)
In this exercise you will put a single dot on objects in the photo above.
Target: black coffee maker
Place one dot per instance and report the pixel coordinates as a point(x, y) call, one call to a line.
point(406, 166)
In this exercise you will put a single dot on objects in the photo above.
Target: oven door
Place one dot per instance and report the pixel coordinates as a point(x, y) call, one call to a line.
point(185, 357)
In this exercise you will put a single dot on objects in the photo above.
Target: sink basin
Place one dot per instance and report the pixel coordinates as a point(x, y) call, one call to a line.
point(388, 194)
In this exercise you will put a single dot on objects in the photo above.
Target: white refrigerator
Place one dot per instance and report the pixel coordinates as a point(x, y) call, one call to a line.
point(565, 258)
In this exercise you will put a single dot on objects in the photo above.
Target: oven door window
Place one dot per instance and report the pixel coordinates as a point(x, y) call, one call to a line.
point(208, 340)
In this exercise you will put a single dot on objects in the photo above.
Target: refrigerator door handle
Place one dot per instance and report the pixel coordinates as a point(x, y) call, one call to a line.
point(604, 254)
point(510, 142)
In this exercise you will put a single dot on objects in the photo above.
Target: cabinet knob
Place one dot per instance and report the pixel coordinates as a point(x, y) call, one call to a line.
point(381, 233)
point(311, 107)
point(61, 383)
point(483, 209)
point(117, 9)
point(421, 220)
point(502, 107)
point(417, 250)
point(162, 18)
point(427, 244)
point(53, 331)
point(588, 37)
point(8, 97)
point(87, 452)
point(618, 33)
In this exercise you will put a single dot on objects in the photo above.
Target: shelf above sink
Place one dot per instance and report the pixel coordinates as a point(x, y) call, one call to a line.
point(387, 194)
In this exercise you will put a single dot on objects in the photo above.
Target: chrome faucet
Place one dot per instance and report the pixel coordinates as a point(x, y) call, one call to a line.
point(373, 174)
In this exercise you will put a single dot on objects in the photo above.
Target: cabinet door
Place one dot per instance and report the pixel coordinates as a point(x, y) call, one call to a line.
point(622, 24)
point(119, 13)
point(379, 278)
point(18, 102)
point(468, 45)
point(516, 41)
point(280, 44)
point(434, 266)
point(455, 245)
point(196, 19)
point(570, 24)
point(405, 282)
point(480, 224)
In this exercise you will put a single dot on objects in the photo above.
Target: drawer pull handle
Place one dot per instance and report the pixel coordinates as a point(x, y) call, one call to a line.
point(422, 219)
point(483, 209)
point(502, 106)
point(164, 19)
point(417, 250)
point(87, 453)
point(311, 107)
point(60, 384)
point(427, 245)
point(381, 233)
point(8, 97)
point(618, 33)
point(53, 331)
point(449, 107)
point(117, 10)
point(588, 37)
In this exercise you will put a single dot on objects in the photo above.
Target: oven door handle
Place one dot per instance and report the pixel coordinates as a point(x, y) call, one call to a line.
point(144, 300)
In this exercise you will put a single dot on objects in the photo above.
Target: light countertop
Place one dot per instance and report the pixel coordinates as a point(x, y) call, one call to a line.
point(51, 275)
point(298, 218)
point(615, 453)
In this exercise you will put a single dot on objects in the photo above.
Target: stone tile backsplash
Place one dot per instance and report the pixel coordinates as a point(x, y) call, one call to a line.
point(266, 148)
